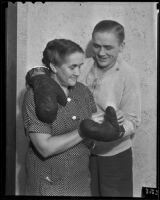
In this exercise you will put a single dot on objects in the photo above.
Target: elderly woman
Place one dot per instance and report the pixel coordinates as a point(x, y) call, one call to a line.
point(57, 111)
point(57, 159)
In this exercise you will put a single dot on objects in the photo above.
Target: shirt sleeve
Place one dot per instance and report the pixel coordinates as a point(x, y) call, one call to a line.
point(31, 122)
point(131, 102)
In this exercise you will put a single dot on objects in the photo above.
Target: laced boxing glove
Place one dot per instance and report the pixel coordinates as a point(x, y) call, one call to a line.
point(108, 131)
point(47, 94)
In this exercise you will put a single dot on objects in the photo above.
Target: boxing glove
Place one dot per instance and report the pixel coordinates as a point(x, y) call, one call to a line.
point(47, 94)
point(108, 131)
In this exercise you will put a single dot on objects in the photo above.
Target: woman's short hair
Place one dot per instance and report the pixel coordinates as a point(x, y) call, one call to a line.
point(56, 51)
point(110, 26)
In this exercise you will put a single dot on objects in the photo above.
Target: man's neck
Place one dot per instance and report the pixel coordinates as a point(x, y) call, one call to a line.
point(101, 71)
point(106, 68)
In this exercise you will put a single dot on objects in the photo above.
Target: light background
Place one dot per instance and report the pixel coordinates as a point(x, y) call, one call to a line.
point(38, 23)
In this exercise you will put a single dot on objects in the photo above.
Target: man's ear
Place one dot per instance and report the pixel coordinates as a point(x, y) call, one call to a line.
point(53, 68)
point(122, 45)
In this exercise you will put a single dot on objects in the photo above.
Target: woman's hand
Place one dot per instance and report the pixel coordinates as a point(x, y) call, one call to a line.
point(120, 117)
point(99, 118)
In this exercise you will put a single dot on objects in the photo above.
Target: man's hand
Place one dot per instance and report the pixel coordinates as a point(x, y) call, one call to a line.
point(120, 117)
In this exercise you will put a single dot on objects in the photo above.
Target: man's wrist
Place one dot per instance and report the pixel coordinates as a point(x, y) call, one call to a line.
point(128, 127)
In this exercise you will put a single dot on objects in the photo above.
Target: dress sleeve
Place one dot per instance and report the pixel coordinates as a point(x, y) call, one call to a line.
point(31, 123)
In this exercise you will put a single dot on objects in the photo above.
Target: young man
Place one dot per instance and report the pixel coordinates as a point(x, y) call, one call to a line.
point(113, 83)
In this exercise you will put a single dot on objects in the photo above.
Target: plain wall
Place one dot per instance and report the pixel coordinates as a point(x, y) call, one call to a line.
point(38, 23)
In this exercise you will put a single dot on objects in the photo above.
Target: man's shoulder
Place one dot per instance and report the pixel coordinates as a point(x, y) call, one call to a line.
point(126, 68)
point(89, 60)
point(129, 72)
point(85, 69)
point(88, 63)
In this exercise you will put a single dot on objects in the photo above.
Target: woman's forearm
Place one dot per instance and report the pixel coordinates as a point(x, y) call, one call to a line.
point(59, 144)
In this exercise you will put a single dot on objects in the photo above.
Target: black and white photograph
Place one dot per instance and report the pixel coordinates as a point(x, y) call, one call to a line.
point(84, 99)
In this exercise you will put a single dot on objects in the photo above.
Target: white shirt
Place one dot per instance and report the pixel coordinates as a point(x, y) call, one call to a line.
point(118, 87)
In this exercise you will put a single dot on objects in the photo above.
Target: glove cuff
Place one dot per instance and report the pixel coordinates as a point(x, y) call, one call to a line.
point(122, 131)
point(80, 132)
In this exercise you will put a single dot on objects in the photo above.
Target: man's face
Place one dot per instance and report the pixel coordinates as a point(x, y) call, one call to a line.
point(106, 48)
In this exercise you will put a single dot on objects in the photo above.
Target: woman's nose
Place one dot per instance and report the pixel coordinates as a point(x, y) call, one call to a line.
point(77, 71)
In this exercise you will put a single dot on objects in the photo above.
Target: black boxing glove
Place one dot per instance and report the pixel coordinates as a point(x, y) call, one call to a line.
point(108, 131)
point(47, 94)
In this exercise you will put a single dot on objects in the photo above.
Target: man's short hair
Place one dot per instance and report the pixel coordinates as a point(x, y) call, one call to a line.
point(110, 26)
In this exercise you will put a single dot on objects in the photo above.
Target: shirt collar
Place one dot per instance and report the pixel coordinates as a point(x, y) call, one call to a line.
point(99, 71)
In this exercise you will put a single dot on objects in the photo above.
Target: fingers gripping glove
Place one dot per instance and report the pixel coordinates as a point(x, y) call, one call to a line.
point(47, 94)
point(109, 130)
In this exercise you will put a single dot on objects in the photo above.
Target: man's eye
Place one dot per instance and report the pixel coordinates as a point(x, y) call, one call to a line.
point(96, 46)
point(108, 48)
point(79, 66)
point(72, 67)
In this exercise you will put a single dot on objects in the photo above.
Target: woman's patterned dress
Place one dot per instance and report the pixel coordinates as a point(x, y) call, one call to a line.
point(67, 173)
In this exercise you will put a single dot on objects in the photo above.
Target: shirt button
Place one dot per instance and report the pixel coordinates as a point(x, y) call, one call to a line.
point(68, 99)
point(74, 117)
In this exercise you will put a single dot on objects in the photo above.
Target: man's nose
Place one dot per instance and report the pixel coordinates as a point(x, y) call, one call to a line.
point(102, 51)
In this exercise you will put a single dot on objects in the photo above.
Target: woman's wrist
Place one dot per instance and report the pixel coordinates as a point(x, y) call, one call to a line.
point(80, 133)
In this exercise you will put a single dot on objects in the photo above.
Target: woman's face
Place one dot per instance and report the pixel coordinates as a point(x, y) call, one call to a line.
point(68, 73)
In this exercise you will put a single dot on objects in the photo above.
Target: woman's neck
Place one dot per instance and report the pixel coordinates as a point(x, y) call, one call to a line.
point(65, 89)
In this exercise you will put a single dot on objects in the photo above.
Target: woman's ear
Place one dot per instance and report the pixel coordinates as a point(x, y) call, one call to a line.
point(122, 45)
point(53, 68)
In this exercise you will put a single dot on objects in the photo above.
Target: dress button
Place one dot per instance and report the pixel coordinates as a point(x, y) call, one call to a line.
point(74, 117)
point(68, 99)
point(48, 179)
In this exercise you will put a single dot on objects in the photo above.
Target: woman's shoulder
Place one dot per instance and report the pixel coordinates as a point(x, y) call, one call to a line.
point(81, 86)
point(28, 92)
point(82, 89)
point(28, 95)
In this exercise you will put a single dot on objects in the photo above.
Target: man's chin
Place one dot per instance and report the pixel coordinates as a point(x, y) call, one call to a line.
point(102, 64)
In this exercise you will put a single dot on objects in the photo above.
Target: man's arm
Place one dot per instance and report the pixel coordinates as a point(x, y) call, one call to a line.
point(131, 103)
